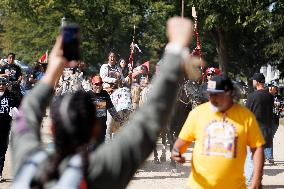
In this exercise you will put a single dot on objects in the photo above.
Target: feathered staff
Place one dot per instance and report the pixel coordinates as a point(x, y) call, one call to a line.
point(197, 51)
point(133, 45)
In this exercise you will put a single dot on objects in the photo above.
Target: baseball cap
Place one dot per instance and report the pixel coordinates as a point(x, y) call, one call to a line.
point(273, 84)
point(3, 80)
point(213, 70)
point(96, 79)
point(219, 84)
point(259, 77)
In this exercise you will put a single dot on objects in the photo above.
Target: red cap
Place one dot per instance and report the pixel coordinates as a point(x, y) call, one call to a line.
point(96, 79)
point(213, 70)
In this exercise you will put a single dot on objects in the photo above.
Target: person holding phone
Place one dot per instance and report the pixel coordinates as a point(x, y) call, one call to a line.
point(74, 126)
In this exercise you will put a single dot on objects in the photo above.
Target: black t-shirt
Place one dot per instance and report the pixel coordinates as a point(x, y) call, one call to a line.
point(13, 69)
point(261, 103)
point(102, 102)
point(7, 101)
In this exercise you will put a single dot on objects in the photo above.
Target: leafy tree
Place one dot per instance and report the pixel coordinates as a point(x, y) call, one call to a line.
point(105, 25)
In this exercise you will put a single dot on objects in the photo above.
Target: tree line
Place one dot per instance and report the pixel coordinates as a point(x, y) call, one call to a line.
point(238, 36)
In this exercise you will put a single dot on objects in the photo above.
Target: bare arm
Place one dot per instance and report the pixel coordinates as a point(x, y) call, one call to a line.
point(258, 160)
point(179, 148)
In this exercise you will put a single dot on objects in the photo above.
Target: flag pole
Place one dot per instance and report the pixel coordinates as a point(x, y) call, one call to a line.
point(46, 56)
point(182, 8)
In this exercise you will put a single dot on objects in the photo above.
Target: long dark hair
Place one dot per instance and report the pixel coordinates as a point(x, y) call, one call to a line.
point(73, 116)
point(125, 70)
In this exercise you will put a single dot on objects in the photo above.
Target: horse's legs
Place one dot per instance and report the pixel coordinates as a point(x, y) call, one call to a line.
point(156, 159)
point(163, 157)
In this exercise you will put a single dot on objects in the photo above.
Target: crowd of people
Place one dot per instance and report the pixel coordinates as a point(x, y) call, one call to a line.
point(104, 128)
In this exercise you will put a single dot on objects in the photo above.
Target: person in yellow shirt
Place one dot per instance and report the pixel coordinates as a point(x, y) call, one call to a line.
point(221, 130)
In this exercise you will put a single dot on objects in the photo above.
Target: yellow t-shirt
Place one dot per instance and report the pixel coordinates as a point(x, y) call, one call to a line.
point(220, 145)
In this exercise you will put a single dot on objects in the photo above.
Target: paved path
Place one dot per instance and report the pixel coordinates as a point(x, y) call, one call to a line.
point(159, 176)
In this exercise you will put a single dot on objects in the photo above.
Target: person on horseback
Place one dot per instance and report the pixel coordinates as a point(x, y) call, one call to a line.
point(140, 81)
point(112, 75)
point(209, 73)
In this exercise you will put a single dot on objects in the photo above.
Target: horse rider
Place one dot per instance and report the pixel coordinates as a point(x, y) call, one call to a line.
point(111, 74)
point(209, 74)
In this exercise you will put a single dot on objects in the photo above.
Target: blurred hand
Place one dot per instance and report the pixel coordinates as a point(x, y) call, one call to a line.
point(56, 63)
point(192, 67)
point(179, 30)
point(176, 156)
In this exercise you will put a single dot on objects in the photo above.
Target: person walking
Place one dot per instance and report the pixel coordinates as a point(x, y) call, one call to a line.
point(261, 103)
point(273, 89)
point(221, 138)
point(74, 125)
point(103, 103)
point(7, 104)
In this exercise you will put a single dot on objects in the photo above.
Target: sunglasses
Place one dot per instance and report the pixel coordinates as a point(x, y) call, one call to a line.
point(3, 84)
point(97, 84)
point(210, 74)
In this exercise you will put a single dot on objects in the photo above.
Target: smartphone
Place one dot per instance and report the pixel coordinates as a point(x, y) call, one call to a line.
point(71, 41)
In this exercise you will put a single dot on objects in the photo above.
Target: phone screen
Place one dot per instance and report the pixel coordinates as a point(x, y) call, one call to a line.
point(71, 42)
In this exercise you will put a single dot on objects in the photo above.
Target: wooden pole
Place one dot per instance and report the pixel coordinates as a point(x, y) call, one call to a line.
point(182, 8)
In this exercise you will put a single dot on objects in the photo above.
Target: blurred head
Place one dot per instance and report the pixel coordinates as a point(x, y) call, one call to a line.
point(273, 87)
point(220, 92)
point(211, 72)
point(144, 69)
point(122, 63)
point(112, 58)
point(82, 65)
point(11, 58)
point(258, 80)
point(73, 122)
point(3, 85)
point(97, 84)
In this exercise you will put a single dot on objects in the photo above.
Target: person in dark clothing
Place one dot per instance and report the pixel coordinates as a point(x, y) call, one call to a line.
point(8, 102)
point(111, 165)
point(273, 89)
point(261, 103)
point(13, 74)
point(103, 103)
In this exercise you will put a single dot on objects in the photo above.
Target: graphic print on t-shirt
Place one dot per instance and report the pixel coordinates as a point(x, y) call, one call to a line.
point(100, 107)
point(220, 139)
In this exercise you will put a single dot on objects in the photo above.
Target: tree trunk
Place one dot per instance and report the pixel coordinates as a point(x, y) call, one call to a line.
point(223, 50)
point(220, 37)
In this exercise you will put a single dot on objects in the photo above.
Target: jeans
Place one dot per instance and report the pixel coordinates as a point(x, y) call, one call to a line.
point(268, 153)
point(248, 167)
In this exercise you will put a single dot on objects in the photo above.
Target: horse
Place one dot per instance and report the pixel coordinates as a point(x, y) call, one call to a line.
point(121, 99)
point(189, 96)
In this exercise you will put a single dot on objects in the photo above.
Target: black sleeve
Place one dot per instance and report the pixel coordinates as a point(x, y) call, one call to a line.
point(19, 71)
point(108, 100)
point(2, 69)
